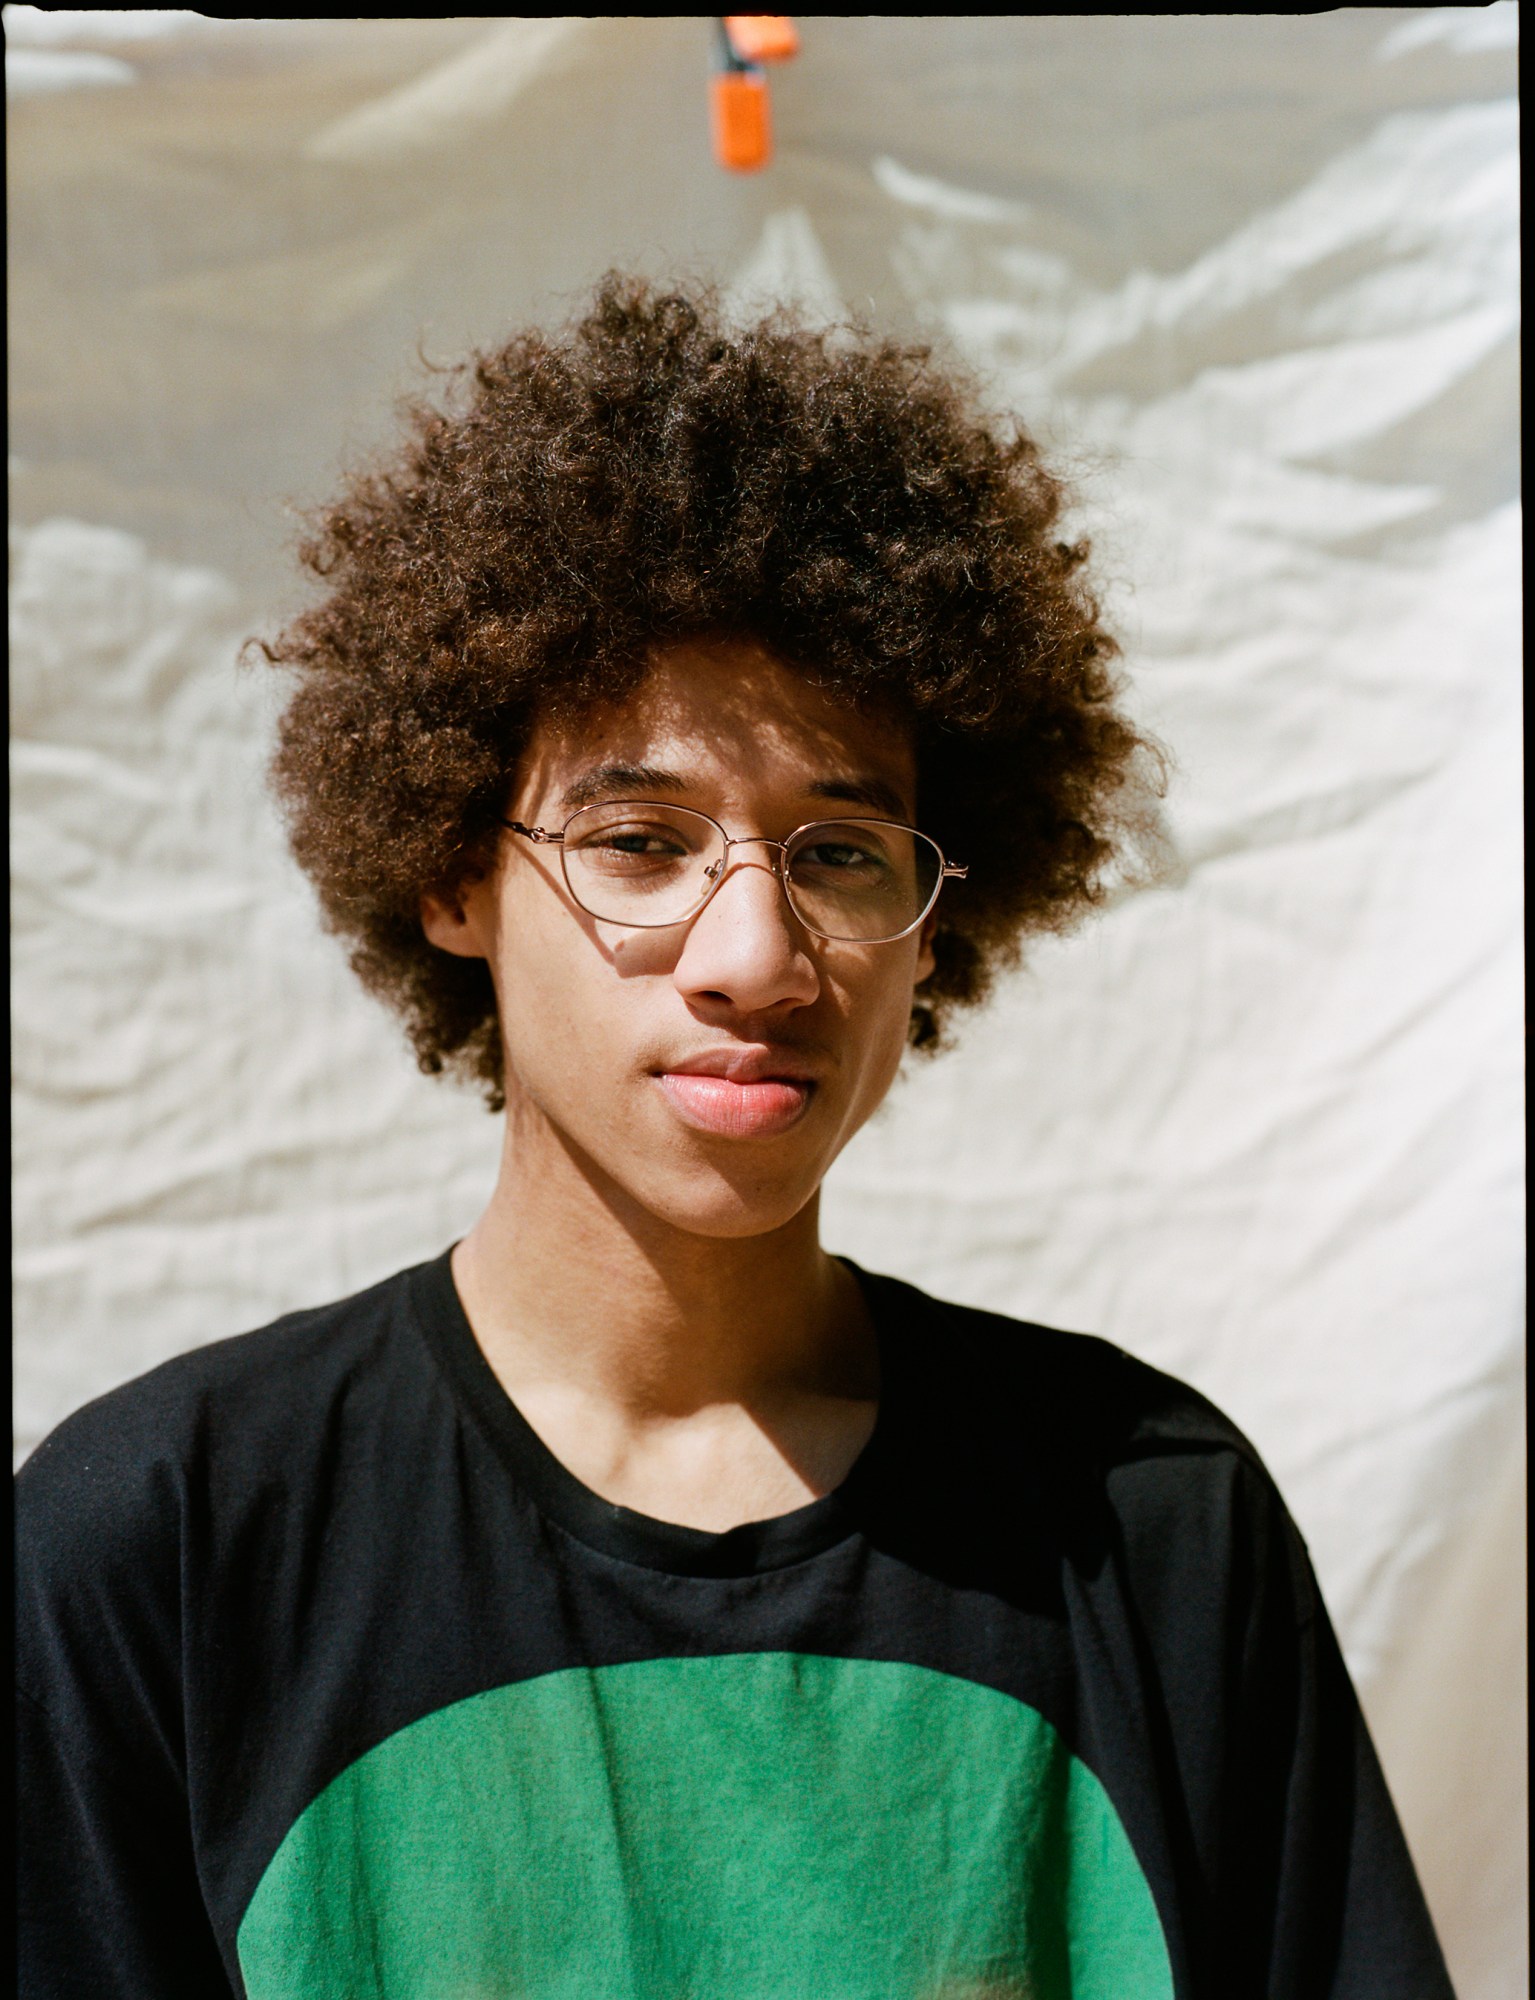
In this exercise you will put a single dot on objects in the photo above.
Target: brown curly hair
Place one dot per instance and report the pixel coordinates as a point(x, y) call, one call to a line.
point(654, 472)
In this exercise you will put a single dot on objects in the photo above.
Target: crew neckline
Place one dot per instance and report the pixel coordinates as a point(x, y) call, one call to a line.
point(621, 1532)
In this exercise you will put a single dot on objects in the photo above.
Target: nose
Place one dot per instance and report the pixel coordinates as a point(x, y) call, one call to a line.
point(745, 946)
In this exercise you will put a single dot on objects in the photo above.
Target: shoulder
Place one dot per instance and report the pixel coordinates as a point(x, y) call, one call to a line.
point(114, 1489)
point(270, 1377)
point(1108, 1443)
point(1095, 1397)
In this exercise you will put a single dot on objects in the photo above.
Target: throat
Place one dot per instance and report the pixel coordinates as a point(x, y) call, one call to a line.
point(692, 1408)
point(715, 1470)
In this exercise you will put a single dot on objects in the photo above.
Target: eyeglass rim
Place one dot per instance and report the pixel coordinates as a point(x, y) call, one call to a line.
point(543, 836)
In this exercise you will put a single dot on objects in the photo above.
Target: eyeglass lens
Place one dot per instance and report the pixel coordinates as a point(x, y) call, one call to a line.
point(651, 865)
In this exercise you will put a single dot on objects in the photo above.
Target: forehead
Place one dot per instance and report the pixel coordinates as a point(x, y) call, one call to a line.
point(727, 712)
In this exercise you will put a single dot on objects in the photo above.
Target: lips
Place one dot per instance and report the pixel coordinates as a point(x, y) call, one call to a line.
point(742, 1094)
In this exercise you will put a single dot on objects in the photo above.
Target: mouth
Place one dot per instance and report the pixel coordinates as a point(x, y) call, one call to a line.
point(744, 1106)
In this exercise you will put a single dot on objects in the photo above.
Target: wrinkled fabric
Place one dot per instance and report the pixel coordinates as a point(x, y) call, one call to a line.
point(1253, 280)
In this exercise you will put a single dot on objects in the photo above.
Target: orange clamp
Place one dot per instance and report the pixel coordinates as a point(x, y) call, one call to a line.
point(762, 38)
point(740, 117)
point(739, 120)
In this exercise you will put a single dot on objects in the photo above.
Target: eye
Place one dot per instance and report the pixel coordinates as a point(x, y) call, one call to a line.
point(841, 857)
point(635, 840)
point(834, 854)
point(631, 847)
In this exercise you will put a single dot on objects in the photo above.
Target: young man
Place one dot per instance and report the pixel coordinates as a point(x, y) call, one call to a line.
point(637, 1600)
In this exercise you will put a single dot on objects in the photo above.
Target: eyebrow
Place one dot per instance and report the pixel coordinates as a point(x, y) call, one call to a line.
point(613, 781)
point(619, 781)
point(863, 792)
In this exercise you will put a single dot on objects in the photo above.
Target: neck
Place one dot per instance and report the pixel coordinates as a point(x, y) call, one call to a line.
point(578, 1295)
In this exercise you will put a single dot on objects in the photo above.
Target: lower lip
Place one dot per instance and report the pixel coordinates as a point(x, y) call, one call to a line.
point(738, 1110)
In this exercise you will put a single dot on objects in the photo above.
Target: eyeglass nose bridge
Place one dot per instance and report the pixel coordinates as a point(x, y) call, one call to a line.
point(716, 873)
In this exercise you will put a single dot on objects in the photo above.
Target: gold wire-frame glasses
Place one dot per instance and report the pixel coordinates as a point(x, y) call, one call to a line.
point(650, 865)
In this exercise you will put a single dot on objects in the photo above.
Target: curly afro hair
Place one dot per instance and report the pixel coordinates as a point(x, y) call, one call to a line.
point(654, 472)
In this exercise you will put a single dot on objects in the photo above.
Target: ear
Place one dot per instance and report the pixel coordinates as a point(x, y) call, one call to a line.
point(927, 964)
point(451, 926)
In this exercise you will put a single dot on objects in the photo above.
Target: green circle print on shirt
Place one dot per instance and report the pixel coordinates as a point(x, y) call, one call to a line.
point(744, 1826)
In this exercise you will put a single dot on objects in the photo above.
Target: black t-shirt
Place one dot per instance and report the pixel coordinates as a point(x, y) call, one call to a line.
point(334, 1682)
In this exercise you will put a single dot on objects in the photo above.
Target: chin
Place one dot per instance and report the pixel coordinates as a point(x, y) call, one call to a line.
point(729, 1207)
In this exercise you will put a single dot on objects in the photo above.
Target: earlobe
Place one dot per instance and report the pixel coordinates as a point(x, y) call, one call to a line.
point(448, 926)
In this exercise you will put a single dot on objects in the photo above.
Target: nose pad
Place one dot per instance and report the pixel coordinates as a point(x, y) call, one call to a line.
point(774, 863)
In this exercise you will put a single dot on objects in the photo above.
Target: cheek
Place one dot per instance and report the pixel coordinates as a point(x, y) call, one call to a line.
point(577, 1003)
point(551, 1020)
point(877, 1008)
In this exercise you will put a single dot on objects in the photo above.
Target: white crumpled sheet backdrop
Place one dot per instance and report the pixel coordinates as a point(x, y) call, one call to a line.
point(1254, 279)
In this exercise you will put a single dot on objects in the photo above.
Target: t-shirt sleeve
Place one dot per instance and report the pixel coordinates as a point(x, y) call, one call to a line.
point(1294, 1851)
point(1350, 1921)
point(109, 1900)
